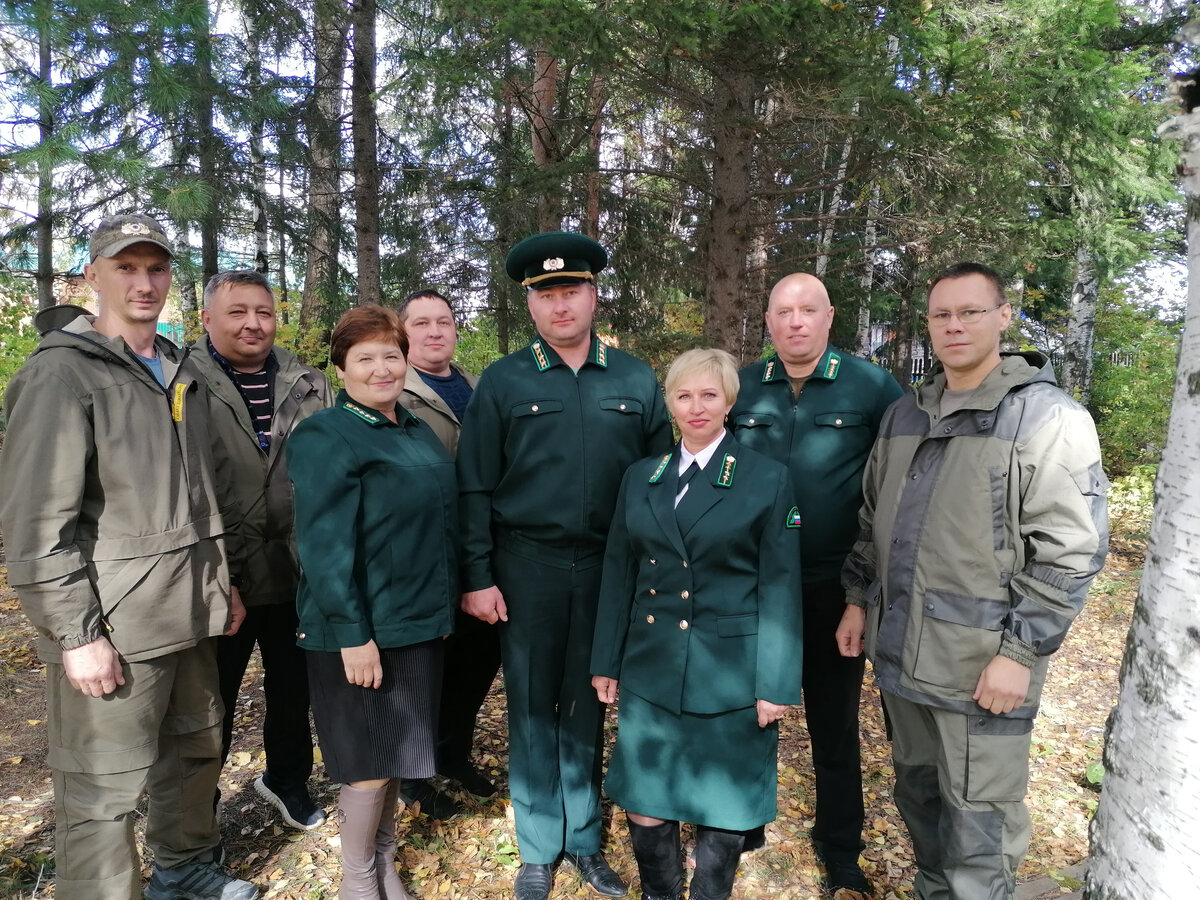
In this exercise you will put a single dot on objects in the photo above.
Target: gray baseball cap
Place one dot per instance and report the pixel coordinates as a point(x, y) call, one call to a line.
point(115, 233)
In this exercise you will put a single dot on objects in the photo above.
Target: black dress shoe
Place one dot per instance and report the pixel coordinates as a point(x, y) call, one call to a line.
point(534, 882)
point(598, 874)
point(472, 780)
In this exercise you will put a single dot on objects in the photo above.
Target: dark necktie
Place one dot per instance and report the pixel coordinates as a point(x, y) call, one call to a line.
point(688, 474)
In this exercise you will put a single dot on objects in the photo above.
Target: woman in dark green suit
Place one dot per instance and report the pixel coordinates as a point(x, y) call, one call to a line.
point(376, 514)
point(700, 623)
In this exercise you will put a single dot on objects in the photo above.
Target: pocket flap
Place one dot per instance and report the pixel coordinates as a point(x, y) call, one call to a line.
point(735, 626)
point(840, 419)
point(628, 405)
point(536, 408)
point(754, 420)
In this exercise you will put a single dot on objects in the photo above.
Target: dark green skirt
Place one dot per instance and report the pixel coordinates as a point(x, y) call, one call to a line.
point(715, 770)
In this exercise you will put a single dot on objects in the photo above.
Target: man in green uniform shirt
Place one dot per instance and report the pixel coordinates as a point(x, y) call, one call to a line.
point(817, 410)
point(547, 437)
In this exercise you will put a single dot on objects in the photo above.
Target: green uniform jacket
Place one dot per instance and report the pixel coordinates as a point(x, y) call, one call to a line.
point(424, 402)
point(824, 438)
point(112, 525)
point(543, 450)
point(264, 553)
point(981, 532)
point(375, 529)
point(709, 621)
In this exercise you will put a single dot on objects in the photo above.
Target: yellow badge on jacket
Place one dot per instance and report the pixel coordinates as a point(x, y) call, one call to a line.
point(177, 402)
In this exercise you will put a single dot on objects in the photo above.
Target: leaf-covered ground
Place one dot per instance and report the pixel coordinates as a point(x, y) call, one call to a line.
point(474, 855)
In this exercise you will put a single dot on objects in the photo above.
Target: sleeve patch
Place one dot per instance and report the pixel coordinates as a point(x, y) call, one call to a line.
point(793, 517)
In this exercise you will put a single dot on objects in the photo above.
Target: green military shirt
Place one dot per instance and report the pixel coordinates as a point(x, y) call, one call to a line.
point(824, 437)
point(376, 514)
point(543, 450)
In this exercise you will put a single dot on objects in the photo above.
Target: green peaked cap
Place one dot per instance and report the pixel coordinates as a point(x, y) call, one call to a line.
point(555, 257)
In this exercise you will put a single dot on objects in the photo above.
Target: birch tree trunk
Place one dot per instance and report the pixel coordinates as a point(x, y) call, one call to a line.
point(1081, 327)
point(862, 331)
point(1144, 835)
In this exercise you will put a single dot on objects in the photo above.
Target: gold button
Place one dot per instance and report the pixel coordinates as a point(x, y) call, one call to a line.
point(653, 592)
point(685, 595)
point(837, 421)
point(683, 625)
point(650, 619)
point(750, 421)
point(534, 407)
point(685, 563)
point(654, 562)
point(302, 636)
point(622, 406)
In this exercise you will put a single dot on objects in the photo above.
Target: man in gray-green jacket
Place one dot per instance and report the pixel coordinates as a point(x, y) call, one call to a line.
point(548, 435)
point(260, 393)
point(112, 529)
point(982, 526)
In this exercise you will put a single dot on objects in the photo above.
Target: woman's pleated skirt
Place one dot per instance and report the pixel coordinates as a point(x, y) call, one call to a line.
point(389, 732)
point(716, 770)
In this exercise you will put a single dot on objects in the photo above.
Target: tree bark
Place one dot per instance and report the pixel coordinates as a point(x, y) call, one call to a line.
point(729, 226)
point(207, 154)
point(596, 99)
point(366, 160)
point(862, 333)
point(547, 151)
point(1144, 833)
point(258, 165)
point(1081, 328)
point(330, 22)
point(45, 202)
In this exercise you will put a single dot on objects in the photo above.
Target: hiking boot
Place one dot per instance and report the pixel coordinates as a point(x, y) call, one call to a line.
point(198, 881)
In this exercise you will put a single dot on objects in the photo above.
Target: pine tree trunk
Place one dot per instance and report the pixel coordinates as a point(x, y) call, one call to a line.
point(207, 155)
point(729, 217)
point(546, 148)
point(258, 165)
point(1144, 835)
point(325, 144)
point(45, 204)
point(1081, 328)
point(366, 160)
point(597, 97)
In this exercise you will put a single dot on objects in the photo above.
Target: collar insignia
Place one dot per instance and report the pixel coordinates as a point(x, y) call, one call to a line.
point(601, 354)
point(793, 517)
point(372, 417)
point(662, 467)
point(831, 367)
point(769, 371)
point(728, 464)
point(539, 356)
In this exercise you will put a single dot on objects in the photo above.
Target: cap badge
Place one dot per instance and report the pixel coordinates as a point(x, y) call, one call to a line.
point(134, 228)
point(553, 264)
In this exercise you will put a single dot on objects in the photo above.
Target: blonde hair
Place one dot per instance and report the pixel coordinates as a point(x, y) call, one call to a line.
point(705, 361)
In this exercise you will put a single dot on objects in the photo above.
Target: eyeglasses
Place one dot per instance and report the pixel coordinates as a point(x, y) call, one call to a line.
point(966, 316)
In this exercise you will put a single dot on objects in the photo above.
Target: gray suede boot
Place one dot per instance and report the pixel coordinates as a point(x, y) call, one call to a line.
point(359, 811)
point(390, 886)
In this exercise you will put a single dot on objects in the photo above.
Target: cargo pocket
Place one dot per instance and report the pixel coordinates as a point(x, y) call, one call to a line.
point(997, 759)
point(959, 636)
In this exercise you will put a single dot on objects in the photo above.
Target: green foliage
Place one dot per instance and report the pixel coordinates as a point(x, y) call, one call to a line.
point(18, 337)
point(1136, 355)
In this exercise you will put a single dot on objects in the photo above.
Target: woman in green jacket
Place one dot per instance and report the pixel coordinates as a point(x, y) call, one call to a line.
point(700, 623)
point(375, 505)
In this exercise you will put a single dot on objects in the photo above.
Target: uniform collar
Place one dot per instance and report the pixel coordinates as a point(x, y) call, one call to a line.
point(373, 417)
point(827, 367)
point(545, 357)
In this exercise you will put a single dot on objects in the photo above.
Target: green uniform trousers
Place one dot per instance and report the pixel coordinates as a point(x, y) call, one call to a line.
point(960, 786)
point(160, 733)
point(554, 718)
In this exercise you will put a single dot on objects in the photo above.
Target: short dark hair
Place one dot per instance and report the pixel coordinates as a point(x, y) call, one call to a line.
point(963, 269)
point(426, 293)
point(232, 277)
point(366, 323)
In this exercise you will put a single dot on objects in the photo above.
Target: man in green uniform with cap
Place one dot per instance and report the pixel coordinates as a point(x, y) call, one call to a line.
point(547, 437)
point(817, 410)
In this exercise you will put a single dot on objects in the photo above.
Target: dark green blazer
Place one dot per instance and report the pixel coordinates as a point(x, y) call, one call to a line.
point(708, 620)
point(376, 515)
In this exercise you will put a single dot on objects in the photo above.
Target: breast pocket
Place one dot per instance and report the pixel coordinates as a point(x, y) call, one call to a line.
point(629, 406)
point(533, 408)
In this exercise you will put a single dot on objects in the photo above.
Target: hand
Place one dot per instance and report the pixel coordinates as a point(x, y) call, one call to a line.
point(1003, 685)
point(487, 605)
point(769, 712)
point(362, 665)
point(237, 611)
point(94, 669)
point(606, 688)
point(849, 634)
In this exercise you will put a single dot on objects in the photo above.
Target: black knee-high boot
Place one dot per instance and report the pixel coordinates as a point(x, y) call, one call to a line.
point(659, 860)
point(717, 855)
